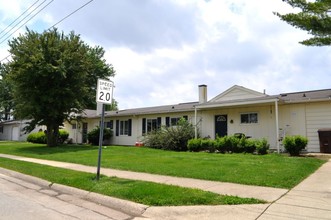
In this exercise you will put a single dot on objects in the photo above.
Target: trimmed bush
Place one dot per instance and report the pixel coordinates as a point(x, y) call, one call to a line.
point(208, 145)
point(249, 145)
point(262, 146)
point(41, 138)
point(221, 145)
point(63, 136)
point(37, 137)
point(93, 135)
point(230, 144)
point(295, 144)
point(194, 145)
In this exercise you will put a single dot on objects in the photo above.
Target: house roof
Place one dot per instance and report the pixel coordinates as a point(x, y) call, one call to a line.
point(181, 107)
point(13, 122)
point(306, 96)
point(234, 96)
point(237, 92)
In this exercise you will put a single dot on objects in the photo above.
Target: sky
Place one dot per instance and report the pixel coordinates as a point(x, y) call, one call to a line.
point(162, 50)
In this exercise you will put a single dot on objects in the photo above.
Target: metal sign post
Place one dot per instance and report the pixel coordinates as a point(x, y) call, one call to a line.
point(105, 96)
point(101, 140)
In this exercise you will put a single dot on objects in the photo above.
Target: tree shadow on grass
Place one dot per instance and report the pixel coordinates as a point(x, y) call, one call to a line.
point(44, 150)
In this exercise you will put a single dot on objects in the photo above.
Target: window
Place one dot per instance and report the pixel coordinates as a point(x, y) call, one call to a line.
point(174, 121)
point(74, 126)
point(124, 127)
point(248, 118)
point(150, 124)
point(107, 124)
point(1, 129)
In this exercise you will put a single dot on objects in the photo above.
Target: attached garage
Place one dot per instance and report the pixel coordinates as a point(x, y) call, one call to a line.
point(318, 116)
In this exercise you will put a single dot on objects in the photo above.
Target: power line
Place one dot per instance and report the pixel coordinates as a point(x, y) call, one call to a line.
point(52, 25)
point(19, 17)
point(27, 20)
point(71, 14)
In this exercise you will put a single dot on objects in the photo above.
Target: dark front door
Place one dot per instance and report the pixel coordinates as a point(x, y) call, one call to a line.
point(84, 133)
point(221, 125)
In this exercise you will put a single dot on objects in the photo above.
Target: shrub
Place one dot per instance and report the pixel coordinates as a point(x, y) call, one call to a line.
point(37, 137)
point(238, 144)
point(295, 144)
point(171, 138)
point(94, 135)
point(208, 144)
point(249, 145)
point(220, 144)
point(41, 138)
point(155, 139)
point(63, 136)
point(262, 146)
point(194, 144)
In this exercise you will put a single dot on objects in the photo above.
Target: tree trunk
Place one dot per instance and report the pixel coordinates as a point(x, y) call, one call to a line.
point(52, 135)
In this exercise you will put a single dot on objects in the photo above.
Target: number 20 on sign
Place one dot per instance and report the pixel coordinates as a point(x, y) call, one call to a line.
point(105, 91)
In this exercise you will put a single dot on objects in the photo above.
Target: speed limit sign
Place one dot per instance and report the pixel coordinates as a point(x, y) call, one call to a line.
point(105, 91)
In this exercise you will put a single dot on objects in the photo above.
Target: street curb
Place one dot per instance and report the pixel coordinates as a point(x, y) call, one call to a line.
point(125, 206)
point(26, 178)
point(111, 202)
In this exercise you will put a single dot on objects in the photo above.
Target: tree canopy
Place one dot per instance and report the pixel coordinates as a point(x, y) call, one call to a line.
point(314, 18)
point(54, 75)
point(6, 98)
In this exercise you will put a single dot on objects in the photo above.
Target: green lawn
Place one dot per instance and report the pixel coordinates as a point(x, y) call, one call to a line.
point(269, 170)
point(137, 191)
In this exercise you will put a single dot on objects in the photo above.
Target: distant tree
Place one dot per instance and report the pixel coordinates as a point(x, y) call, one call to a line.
point(112, 107)
point(313, 18)
point(54, 75)
point(6, 95)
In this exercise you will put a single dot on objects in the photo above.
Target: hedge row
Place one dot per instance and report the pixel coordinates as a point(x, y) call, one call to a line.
point(229, 144)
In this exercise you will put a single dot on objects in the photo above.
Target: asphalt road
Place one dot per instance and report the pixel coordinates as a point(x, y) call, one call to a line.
point(23, 200)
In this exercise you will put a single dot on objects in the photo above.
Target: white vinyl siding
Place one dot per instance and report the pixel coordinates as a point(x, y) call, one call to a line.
point(317, 116)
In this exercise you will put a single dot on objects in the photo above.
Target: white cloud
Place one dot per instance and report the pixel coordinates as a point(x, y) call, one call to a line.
point(162, 50)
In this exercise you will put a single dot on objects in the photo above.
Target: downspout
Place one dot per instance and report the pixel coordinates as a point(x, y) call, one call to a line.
point(277, 126)
point(195, 122)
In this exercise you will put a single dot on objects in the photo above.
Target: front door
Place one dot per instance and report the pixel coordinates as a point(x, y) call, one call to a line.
point(221, 125)
point(84, 133)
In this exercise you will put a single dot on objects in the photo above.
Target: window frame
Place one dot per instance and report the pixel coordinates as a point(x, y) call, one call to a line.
point(252, 118)
point(123, 127)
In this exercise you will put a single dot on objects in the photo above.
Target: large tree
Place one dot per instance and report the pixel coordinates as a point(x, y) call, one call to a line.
point(313, 18)
point(54, 75)
point(6, 96)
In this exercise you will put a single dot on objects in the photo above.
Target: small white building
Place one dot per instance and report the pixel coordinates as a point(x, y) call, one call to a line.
point(236, 110)
point(12, 130)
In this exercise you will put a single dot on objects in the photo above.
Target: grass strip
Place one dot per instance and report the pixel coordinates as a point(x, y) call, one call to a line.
point(147, 193)
point(271, 170)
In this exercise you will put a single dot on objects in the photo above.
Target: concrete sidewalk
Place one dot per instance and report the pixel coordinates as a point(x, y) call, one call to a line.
point(268, 194)
point(311, 199)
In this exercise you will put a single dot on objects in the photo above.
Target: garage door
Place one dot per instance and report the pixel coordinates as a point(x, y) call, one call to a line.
point(15, 133)
point(317, 116)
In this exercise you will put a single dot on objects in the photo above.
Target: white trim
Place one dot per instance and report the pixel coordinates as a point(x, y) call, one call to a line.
point(277, 126)
point(232, 104)
point(195, 122)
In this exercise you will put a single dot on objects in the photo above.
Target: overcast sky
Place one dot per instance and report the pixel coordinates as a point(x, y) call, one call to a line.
point(163, 49)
